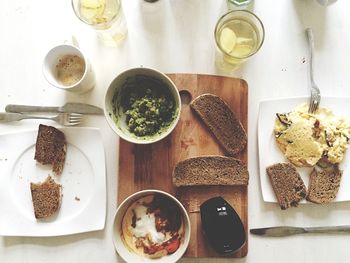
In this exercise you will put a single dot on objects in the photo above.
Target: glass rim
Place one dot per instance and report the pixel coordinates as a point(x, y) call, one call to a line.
point(239, 11)
point(77, 14)
point(247, 2)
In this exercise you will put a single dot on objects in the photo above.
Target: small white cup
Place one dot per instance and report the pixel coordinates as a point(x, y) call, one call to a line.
point(52, 59)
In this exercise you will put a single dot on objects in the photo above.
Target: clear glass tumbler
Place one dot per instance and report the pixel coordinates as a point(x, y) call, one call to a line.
point(105, 16)
point(240, 2)
point(239, 34)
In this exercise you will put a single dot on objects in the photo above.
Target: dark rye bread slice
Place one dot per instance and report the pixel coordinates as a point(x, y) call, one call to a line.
point(324, 185)
point(46, 197)
point(222, 122)
point(210, 170)
point(51, 148)
point(287, 184)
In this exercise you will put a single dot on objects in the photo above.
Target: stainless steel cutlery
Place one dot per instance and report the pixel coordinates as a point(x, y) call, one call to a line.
point(70, 107)
point(283, 231)
point(66, 119)
point(315, 91)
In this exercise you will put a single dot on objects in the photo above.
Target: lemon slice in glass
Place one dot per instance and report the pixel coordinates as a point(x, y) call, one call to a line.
point(90, 9)
point(244, 41)
point(228, 40)
point(241, 50)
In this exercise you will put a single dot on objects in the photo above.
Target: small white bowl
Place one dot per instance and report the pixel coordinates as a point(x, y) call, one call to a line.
point(118, 123)
point(130, 256)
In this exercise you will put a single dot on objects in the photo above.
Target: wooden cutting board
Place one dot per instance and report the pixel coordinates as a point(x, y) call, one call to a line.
point(151, 166)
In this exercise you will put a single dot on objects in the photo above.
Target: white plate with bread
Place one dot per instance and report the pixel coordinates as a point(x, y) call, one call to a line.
point(270, 154)
point(82, 185)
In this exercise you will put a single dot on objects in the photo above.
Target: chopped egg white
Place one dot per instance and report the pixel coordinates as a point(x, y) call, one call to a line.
point(145, 225)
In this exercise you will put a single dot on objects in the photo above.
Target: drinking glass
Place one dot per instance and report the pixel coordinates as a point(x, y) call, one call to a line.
point(105, 16)
point(240, 3)
point(239, 34)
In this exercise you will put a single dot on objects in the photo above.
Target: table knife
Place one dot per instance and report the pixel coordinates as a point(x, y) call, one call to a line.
point(9, 116)
point(282, 231)
point(68, 108)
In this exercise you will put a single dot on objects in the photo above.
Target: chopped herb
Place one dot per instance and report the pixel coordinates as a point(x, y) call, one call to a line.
point(278, 134)
point(328, 140)
point(283, 118)
point(148, 105)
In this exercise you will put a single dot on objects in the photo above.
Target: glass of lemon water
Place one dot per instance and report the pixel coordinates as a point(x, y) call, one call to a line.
point(106, 16)
point(239, 34)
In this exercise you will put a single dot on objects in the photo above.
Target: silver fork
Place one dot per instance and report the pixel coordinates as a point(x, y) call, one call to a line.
point(315, 91)
point(66, 119)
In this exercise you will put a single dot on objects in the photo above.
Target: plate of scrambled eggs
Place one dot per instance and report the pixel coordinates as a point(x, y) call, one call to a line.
point(288, 133)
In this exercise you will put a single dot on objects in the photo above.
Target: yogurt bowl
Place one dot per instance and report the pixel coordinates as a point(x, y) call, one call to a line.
point(151, 226)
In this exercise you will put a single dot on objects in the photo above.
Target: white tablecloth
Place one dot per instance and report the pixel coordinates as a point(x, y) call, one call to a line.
point(177, 36)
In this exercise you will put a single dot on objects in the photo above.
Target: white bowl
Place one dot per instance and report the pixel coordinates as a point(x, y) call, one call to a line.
point(130, 256)
point(118, 124)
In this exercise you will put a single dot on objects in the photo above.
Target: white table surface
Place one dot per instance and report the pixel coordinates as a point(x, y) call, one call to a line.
point(177, 36)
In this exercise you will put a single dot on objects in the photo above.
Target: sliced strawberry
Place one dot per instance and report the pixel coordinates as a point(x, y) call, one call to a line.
point(173, 246)
point(152, 249)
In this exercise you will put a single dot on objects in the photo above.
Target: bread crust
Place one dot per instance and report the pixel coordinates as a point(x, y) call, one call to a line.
point(46, 197)
point(222, 122)
point(287, 184)
point(324, 184)
point(210, 170)
point(51, 147)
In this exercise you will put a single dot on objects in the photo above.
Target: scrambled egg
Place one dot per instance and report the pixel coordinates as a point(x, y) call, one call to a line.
point(305, 138)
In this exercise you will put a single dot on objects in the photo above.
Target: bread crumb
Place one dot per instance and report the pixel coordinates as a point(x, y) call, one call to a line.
point(77, 198)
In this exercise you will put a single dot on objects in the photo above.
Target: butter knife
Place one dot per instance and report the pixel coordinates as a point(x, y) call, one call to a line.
point(283, 231)
point(68, 108)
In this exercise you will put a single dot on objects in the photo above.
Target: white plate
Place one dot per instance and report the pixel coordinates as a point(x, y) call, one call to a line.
point(269, 152)
point(83, 181)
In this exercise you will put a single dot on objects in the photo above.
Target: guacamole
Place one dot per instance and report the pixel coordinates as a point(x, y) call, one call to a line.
point(148, 105)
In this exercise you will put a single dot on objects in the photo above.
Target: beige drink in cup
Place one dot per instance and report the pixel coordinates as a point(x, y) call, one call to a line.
point(66, 67)
point(69, 69)
point(105, 16)
point(239, 35)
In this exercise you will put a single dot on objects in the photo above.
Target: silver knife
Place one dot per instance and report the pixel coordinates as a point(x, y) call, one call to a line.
point(9, 116)
point(68, 107)
point(283, 231)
